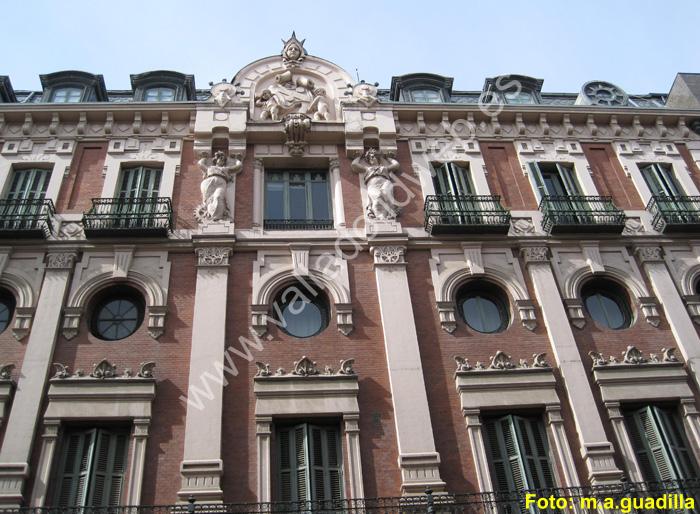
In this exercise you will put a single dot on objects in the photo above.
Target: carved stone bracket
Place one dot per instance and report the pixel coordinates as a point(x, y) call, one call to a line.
point(650, 311)
point(213, 256)
point(446, 311)
point(305, 367)
point(156, 320)
point(343, 314)
point(296, 127)
point(574, 308)
point(692, 303)
point(500, 362)
point(633, 356)
point(526, 311)
point(23, 322)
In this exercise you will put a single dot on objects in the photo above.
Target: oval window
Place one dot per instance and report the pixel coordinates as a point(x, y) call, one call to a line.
point(303, 314)
point(483, 307)
point(117, 314)
point(7, 308)
point(607, 303)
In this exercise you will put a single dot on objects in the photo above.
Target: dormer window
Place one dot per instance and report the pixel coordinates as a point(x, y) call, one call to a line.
point(163, 86)
point(426, 96)
point(512, 90)
point(67, 95)
point(73, 87)
point(159, 94)
point(421, 88)
point(518, 98)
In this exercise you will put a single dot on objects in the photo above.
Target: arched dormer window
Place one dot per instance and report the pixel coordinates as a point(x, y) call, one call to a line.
point(7, 93)
point(512, 90)
point(163, 86)
point(421, 88)
point(73, 87)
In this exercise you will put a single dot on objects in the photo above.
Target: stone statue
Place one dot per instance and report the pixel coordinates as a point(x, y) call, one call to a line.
point(362, 94)
point(216, 175)
point(380, 188)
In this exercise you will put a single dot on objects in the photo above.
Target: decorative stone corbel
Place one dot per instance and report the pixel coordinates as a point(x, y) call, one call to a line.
point(23, 322)
point(446, 311)
point(343, 313)
point(258, 322)
point(593, 258)
point(649, 307)
point(574, 308)
point(156, 320)
point(692, 303)
point(526, 311)
point(123, 256)
point(474, 259)
point(296, 126)
point(71, 321)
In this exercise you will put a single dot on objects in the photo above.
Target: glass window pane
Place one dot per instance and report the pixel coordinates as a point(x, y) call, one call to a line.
point(297, 201)
point(523, 97)
point(319, 200)
point(67, 95)
point(606, 306)
point(483, 313)
point(303, 319)
point(274, 201)
point(426, 96)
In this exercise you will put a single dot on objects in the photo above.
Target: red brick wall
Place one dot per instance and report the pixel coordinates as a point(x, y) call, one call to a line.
point(690, 162)
point(609, 177)
point(186, 195)
point(365, 344)
point(352, 197)
point(438, 349)
point(245, 192)
point(505, 176)
point(85, 180)
point(408, 191)
point(171, 352)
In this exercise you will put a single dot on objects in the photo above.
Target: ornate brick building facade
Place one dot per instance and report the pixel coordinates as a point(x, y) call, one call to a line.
point(292, 286)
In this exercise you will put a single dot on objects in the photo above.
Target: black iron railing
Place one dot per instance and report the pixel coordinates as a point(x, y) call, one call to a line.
point(669, 496)
point(132, 216)
point(581, 214)
point(675, 213)
point(465, 214)
point(26, 218)
point(291, 224)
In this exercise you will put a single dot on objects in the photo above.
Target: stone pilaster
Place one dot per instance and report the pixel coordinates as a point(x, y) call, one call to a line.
point(22, 422)
point(596, 450)
point(418, 460)
point(202, 466)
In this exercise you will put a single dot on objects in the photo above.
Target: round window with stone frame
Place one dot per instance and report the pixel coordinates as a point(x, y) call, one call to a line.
point(7, 308)
point(117, 312)
point(301, 311)
point(483, 306)
point(607, 303)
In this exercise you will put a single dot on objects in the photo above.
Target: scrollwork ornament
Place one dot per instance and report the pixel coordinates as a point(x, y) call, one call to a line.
point(462, 364)
point(60, 260)
point(650, 254)
point(213, 256)
point(389, 254)
point(6, 371)
point(534, 254)
point(104, 369)
point(501, 361)
point(669, 354)
point(346, 367)
point(61, 370)
point(146, 369)
point(598, 358)
point(263, 369)
point(305, 367)
point(539, 360)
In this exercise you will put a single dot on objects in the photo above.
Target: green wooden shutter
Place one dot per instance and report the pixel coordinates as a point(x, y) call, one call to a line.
point(568, 177)
point(74, 467)
point(140, 182)
point(539, 181)
point(293, 464)
point(661, 180)
point(29, 184)
point(518, 454)
point(109, 467)
point(674, 435)
point(326, 463)
point(452, 179)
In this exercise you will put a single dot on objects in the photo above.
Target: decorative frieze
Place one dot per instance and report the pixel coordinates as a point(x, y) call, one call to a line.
point(60, 260)
point(104, 370)
point(213, 256)
point(649, 254)
point(501, 361)
point(535, 254)
point(633, 356)
point(305, 367)
point(389, 254)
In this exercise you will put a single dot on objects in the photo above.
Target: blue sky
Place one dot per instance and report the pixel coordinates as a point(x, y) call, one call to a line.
point(637, 45)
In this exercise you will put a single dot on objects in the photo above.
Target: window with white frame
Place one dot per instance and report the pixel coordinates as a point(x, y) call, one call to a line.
point(450, 178)
point(67, 95)
point(28, 184)
point(91, 467)
point(310, 463)
point(140, 182)
point(159, 94)
point(297, 199)
point(554, 179)
point(518, 453)
point(660, 445)
point(661, 180)
point(426, 96)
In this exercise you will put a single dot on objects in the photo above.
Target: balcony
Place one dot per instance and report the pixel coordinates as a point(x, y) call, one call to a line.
point(132, 217)
point(627, 497)
point(675, 213)
point(26, 218)
point(298, 224)
point(578, 214)
point(465, 214)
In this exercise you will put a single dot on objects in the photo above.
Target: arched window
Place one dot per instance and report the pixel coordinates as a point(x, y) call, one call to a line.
point(607, 303)
point(117, 313)
point(7, 308)
point(300, 312)
point(483, 306)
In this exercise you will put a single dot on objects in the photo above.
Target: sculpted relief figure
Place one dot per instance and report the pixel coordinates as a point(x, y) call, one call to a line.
point(377, 169)
point(216, 177)
point(293, 94)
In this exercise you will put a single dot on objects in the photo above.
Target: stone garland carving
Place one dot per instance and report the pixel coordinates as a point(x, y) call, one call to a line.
point(378, 169)
point(290, 94)
point(633, 356)
point(104, 369)
point(502, 361)
point(305, 367)
point(362, 94)
point(213, 256)
point(389, 254)
point(216, 177)
point(6, 371)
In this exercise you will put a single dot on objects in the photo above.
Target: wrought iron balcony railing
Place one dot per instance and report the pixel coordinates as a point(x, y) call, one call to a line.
point(291, 224)
point(563, 214)
point(26, 218)
point(465, 214)
point(675, 213)
point(132, 216)
point(625, 498)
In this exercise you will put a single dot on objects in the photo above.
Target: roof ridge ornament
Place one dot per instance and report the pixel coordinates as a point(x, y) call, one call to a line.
point(293, 52)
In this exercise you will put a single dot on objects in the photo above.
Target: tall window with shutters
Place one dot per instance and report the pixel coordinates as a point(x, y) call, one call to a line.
point(660, 445)
point(518, 453)
point(24, 198)
point(91, 467)
point(555, 179)
point(138, 195)
point(661, 180)
point(310, 464)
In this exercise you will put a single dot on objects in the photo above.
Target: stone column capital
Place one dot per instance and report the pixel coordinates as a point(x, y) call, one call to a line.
point(60, 260)
point(535, 254)
point(389, 254)
point(213, 256)
point(648, 254)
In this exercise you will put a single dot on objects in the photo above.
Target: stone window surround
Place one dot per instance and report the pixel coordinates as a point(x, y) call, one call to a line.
point(27, 154)
point(280, 397)
point(7, 387)
point(335, 190)
point(650, 382)
point(96, 399)
point(481, 391)
point(158, 153)
point(17, 280)
point(633, 155)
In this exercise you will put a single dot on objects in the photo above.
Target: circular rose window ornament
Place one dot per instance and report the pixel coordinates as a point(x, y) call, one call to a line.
point(604, 94)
